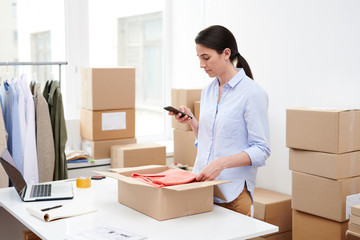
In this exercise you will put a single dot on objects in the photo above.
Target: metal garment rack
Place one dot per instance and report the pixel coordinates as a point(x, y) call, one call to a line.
point(35, 63)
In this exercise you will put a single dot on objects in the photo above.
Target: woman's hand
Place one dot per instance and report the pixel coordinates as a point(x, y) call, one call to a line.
point(214, 168)
point(211, 171)
point(184, 119)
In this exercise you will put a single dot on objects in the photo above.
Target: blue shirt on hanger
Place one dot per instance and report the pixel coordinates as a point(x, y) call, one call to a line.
point(9, 106)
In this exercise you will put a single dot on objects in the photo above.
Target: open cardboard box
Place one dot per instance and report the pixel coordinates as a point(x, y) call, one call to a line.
point(167, 202)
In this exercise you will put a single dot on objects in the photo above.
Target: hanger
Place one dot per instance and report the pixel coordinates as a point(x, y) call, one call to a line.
point(34, 78)
point(14, 79)
point(52, 76)
point(7, 75)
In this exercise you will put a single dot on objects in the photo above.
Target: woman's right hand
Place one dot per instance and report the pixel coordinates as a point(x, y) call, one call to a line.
point(184, 119)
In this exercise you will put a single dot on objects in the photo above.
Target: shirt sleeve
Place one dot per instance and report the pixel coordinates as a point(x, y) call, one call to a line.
point(256, 118)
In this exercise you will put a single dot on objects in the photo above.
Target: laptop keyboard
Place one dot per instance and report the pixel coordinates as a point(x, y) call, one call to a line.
point(42, 190)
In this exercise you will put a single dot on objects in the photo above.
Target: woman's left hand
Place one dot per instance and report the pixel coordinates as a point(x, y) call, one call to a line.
point(211, 171)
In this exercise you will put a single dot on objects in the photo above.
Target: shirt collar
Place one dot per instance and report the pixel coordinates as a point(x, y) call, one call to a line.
point(236, 79)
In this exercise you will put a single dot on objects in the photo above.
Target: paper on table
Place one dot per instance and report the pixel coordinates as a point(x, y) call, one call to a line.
point(69, 210)
point(108, 233)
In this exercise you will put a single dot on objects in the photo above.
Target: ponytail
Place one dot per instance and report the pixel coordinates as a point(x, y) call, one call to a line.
point(242, 63)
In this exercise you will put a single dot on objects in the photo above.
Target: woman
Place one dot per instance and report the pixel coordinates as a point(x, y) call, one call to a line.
point(233, 131)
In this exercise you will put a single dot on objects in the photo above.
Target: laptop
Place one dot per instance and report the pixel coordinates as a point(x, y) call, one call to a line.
point(35, 192)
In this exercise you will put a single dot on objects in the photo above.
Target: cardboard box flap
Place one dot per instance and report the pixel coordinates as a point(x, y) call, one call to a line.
point(181, 187)
point(123, 178)
point(188, 186)
point(108, 174)
point(141, 169)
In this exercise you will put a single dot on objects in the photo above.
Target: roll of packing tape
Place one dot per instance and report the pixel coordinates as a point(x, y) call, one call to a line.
point(83, 182)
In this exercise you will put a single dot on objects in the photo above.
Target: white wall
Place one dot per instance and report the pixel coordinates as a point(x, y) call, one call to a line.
point(301, 52)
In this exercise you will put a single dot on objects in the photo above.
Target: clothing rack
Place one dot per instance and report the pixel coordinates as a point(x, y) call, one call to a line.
point(35, 63)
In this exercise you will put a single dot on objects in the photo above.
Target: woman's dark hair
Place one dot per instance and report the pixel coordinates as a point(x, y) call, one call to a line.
point(218, 38)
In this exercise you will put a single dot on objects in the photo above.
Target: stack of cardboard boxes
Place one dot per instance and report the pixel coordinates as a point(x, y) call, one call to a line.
point(184, 138)
point(274, 208)
point(107, 115)
point(354, 224)
point(324, 157)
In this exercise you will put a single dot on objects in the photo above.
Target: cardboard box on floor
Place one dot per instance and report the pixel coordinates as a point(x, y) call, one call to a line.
point(184, 147)
point(279, 236)
point(140, 154)
point(108, 88)
point(273, 207)
point(325, 197)
point(107, 124)
point(338, 166)
point(102, 149)
point(352, 235)
point(332, 131)
point(167, 202)
point(307, 226)
point(184, 97)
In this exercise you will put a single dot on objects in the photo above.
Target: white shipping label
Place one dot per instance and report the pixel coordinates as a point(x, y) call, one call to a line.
point(113, 121)
point(86, 147)
point(351, 200)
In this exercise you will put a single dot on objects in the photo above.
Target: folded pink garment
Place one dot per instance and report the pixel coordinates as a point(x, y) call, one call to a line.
point(170, 177)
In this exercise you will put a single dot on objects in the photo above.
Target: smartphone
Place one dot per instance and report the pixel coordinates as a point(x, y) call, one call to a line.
point(176, 111)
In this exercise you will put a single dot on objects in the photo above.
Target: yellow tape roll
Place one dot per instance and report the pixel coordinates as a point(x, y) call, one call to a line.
point(83, 182)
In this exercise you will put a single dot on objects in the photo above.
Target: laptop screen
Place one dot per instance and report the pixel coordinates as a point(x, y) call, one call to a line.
point(11, 170)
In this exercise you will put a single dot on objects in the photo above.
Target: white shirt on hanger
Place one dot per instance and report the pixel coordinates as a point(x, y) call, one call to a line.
point(21, 109)
point(31, 172)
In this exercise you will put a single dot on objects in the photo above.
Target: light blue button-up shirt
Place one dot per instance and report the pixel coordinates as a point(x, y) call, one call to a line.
point(237, 123)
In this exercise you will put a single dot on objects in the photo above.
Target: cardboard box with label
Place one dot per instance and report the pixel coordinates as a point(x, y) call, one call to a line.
point(307, 226)
point(332, 131)
point(167, 202)
point(329, 165)
point(102, 149)
point(273, 207)
point(184, 147)
point(108, 88)
point(325, 197)
point(107, 124)
point(134, 155)
point(184, 97)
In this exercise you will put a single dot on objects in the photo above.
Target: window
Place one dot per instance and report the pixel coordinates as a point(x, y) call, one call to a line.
point(14, 9)
point(41, 52)
point(8, 36)
point(140, 46)
point(27, 31)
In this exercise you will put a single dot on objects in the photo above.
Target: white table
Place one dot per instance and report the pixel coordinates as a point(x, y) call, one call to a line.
point(220, 223)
